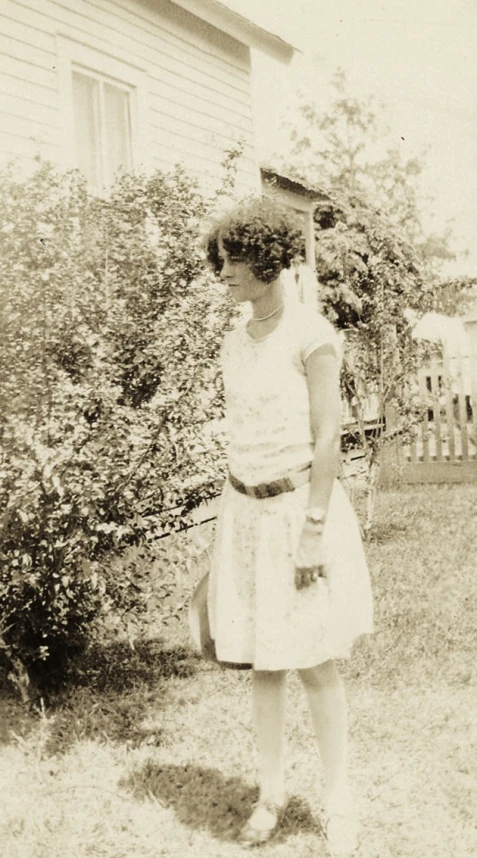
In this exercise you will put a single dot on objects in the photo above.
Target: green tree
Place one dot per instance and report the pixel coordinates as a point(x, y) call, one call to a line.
point(457, 295)
point(374, 261)
point(348, 149)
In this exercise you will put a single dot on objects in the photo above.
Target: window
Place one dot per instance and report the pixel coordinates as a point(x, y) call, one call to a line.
point(104, 114)
point(102, 121)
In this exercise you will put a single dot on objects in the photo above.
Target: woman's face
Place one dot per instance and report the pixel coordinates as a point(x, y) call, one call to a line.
point(240, 279)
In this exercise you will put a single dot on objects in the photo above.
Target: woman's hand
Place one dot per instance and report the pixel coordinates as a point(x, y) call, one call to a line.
point(309, 561)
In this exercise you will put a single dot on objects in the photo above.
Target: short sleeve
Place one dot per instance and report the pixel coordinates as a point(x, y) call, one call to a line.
point(316, 332)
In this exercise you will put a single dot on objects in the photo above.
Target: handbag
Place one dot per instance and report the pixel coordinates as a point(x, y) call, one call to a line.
point(199, 627)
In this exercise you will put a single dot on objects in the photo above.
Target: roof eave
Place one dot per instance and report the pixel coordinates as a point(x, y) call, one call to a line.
point(287, 183)
point(223, 18)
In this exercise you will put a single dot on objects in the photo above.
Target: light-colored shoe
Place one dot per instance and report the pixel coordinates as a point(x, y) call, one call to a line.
point(341, 825)
point(342, 833)
point(263, 823)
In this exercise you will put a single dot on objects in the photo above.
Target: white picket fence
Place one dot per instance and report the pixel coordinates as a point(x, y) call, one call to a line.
point(445, 445)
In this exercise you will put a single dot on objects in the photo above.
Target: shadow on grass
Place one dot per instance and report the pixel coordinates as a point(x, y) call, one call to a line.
point(110, 694)
point(118, 667)
point(384, 532)
point(115, 691)
point(15, 718)
point(203, 798)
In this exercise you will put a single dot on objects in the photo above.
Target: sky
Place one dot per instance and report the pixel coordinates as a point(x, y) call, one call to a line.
point(418, 58)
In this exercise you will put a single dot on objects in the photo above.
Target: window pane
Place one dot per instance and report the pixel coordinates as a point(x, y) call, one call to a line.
point(85, 100)
point(118, 129)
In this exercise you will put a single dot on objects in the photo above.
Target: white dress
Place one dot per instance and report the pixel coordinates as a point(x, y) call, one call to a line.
point(256, 614)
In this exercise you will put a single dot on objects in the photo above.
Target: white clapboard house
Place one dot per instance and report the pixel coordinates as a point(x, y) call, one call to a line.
point(141, 84)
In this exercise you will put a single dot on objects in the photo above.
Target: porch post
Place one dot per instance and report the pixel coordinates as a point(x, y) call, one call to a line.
point(310, 239)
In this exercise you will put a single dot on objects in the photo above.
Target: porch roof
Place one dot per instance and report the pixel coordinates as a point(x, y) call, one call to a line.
point(273, 176)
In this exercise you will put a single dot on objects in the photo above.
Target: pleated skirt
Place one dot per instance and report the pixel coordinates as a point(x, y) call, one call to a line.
point(256, 614)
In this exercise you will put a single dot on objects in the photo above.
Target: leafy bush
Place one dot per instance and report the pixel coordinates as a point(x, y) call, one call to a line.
point(375, 261)
point(457, 296)
point(370, 277)
point(109, 337)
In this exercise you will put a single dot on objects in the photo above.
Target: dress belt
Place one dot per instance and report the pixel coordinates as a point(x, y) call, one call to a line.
point(292, 481)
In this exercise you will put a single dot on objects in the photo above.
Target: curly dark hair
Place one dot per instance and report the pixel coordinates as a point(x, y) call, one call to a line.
point(261, 232)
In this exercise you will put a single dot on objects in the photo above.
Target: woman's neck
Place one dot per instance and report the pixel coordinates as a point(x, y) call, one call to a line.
point(267, 313)
point(269, 302)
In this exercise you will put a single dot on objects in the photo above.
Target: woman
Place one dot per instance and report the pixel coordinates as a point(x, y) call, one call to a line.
point(289, 586)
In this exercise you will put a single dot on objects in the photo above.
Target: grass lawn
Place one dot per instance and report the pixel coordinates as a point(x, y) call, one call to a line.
point(150, 752)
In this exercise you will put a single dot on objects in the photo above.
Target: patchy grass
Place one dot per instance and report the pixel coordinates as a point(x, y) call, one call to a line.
point(149, 752)
point(422, 556)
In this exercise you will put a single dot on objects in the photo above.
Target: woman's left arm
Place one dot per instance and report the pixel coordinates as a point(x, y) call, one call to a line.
point(322, 372)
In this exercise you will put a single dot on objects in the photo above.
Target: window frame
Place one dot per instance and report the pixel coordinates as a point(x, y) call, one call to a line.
point(103, 168)
point(74, 56)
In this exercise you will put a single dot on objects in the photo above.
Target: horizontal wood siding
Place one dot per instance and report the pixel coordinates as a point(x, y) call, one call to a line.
point(29, 104)
point(198, 79)
point(22, 149)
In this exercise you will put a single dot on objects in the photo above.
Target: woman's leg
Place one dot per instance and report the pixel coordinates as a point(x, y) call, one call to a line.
point(327, 701)
point(269, 692)
point(268, 696)
point(268, 689)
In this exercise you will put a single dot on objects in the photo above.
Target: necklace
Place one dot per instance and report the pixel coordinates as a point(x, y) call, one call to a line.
point(262, 318)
